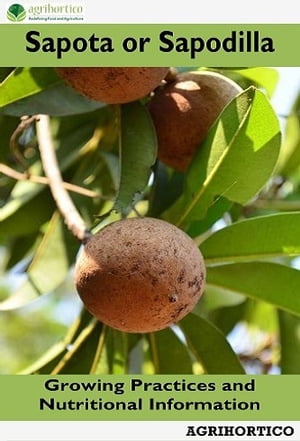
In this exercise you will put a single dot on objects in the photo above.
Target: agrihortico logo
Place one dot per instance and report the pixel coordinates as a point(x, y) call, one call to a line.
point(16, 13)
point(46, 12)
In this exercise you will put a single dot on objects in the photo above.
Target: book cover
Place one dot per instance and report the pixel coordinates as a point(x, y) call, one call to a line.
point(149, 221)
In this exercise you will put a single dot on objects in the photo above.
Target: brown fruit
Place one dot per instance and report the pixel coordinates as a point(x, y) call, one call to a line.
point(140, 275)
point(113, 85)
point(184, 110)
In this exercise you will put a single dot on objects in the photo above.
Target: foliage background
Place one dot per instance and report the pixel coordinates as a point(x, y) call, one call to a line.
point(239, 200)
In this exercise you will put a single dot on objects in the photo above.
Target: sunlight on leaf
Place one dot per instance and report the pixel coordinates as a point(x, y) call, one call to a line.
point(235, 160)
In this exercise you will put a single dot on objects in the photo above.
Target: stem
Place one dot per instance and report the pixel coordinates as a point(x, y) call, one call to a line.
point(75, 346)
point(11, 173)
point(171, 75)
point(64, 203)
point(153, 348)
point(99, 350)
point(276, 204)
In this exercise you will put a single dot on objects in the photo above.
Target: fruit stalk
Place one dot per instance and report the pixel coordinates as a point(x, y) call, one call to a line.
point(64, 203)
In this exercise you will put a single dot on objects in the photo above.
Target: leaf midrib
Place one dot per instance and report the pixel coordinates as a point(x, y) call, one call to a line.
point(206, 183)
point(246, 257)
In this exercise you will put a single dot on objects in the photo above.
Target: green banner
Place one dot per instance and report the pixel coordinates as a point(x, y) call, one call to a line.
point(149, 44)
point(141, 397)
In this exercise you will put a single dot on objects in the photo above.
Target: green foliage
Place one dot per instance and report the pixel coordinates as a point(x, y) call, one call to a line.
point(165, 346)
point(137, 145)
point(244, 177)
point(246, 133)
point(289, 159)
point(266, 281)
point(207, 344)
point(29, 91)
point(49, 266)
point(232, 244)
point(262, 77)
point(290, 342)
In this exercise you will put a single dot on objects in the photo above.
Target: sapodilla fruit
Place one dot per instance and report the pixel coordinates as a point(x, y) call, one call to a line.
point(140, 275)
point(113, 85)
point(184, 110)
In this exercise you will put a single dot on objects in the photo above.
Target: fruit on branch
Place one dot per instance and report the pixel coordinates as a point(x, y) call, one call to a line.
point(113, 85)
point(184, 110)
point(140, 274)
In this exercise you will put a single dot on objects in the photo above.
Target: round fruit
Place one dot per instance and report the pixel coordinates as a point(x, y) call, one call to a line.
point(140, 275)
point(113, 85)
point(184, 110)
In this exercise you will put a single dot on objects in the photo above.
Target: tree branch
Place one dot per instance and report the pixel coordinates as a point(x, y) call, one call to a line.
point(276, 204)
point(64, 203)
point(13, 142)
point(11, 173)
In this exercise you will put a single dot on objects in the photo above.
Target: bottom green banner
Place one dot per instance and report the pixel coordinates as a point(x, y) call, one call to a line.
point(149, 398)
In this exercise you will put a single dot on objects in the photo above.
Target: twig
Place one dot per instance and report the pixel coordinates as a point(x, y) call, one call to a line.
point(99, 350)
point(13, 142)
point(171, 75)
point(72, 218)
point(275, 204)
point(10, 172)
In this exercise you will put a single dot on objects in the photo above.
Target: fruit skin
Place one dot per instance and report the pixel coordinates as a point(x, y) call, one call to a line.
point(184, 110)
point(140, 275)
point(113, 85)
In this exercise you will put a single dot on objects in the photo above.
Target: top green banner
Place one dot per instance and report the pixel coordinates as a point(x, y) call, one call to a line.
point(149, 45)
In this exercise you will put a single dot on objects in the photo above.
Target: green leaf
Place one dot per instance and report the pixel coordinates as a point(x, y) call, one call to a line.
point(169, 354)
point(225, 319)
point(137, 154)
point(263, 237)
point(75, 354)
point(270, 282)
point(4, 72)
point(262, 316)
point(30, 91)
point(235, 160)
point(19, 218)
point(214, 213)
point(209, 346)
point(19, 249)
point(289, 158)
point(24, 82)
point(166, 188)
point(117, 347)
point(80, 357)
point(49, 266)
point(289, 343)
point(217, 297)
point(265, 77)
